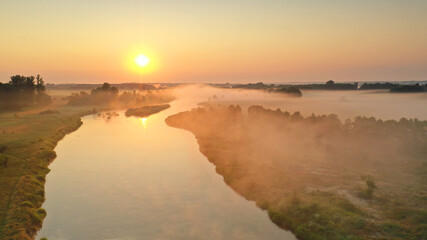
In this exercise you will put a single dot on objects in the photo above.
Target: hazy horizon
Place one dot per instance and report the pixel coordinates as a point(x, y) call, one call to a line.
point(246, 82)
point(100, 82)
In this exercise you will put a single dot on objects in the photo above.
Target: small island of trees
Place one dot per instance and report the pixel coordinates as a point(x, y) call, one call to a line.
point(109, 95)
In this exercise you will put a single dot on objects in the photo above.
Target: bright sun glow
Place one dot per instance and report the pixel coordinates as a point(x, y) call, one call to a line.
point(144, 122)
point(142, 60)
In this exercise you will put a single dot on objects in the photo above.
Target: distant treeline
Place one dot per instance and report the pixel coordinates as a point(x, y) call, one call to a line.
point(289, 90)
point(120, 86)
point(108, 94)
point(22, 91)
point(393, 87)
point(292, 91)
point(331, 85)
point(360, 125)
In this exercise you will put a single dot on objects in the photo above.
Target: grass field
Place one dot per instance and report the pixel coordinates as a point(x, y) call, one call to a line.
point(27, 142)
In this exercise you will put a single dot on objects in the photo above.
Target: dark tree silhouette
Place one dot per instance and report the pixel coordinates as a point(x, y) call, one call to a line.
point(330, 83)
point(22, 91)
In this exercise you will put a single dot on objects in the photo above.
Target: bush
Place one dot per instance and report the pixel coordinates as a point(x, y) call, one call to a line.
point(41, 178)
point(41, 211)
point(36, 219)
point(26, 204)
point(47, 154)
point(368, 192)
point(40, 192)
point(277, 217)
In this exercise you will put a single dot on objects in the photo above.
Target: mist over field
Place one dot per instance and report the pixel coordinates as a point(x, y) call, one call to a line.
point(336, 163)
point(345, 104)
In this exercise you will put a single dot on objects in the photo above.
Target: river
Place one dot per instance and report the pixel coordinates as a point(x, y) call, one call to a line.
point(132, 178)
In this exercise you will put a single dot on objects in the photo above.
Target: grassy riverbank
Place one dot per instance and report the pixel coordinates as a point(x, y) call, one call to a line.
point(317, 176)
point(27, 142)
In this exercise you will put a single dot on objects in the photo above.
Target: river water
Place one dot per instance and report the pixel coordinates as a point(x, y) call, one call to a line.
point(132, 178)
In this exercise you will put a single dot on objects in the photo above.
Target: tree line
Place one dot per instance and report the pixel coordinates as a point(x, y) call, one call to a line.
point(108, 94)
point(23, 91)
point(331, 85)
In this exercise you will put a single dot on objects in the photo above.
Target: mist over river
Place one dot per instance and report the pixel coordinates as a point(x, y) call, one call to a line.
point(133, 178)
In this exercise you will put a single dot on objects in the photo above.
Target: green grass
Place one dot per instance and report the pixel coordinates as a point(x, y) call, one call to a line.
point(27, 141)
point(319, 216)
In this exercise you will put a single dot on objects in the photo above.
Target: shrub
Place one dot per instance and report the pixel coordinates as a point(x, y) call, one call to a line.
point(41, 211)
point(368, 192)
point(26, 204)
point(36, 219)
point(40, 192)
point(41, 178)
point(47, 154)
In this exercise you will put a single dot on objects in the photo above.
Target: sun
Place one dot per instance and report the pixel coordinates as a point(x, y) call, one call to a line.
point(142, 60)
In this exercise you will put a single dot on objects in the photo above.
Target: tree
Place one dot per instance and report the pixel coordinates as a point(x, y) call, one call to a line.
point(330, 83)
point(40, 84)
point(105, 88)
point(369, 180)
point(17, 81)
point(22, 91)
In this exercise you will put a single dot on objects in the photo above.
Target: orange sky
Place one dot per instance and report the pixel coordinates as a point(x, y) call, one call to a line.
point(214, 41)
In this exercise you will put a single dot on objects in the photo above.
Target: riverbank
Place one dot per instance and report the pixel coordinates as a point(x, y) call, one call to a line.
point(316, 176)
point(27, 144)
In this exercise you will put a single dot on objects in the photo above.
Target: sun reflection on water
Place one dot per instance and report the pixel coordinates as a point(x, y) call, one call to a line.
point(144, 122)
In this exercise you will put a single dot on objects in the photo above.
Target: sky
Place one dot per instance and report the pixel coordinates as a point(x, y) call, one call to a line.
point(221, 41)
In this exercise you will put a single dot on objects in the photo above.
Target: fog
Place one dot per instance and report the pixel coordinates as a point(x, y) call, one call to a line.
point(269, 155)
point(346, 104)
